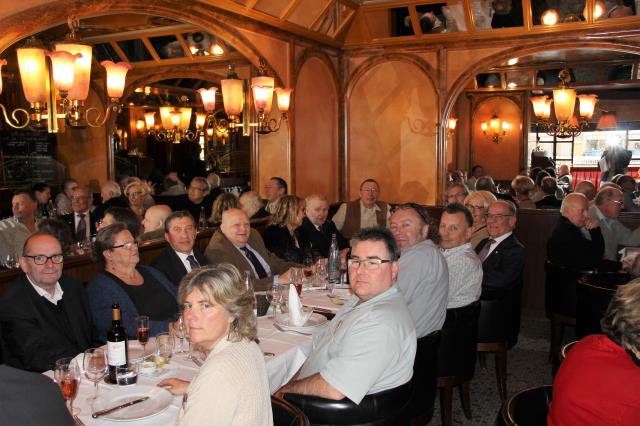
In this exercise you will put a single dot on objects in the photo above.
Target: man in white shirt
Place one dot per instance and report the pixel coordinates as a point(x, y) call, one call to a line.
point(365, 212)
point(15, 230)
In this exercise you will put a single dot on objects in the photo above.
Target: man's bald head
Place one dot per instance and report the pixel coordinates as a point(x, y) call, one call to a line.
point(236, 227)
point(575, 207)
point(155, 216)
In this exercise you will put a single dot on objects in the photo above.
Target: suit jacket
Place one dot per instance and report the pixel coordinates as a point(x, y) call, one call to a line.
point(70, 220)
point(319, 241)
point(549, 202)
point(615, 234)
point(98, 212)
point(221, 250)
point(172, 267)
point(502, 269)
point(30, 338)
point(260, 214)
point(156, 234)
point(31, 399)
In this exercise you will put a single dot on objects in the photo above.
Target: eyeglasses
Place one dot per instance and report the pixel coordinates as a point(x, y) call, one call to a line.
point(41, 259)
point(618, 203)
point(370, 190)
point(471, 206)
point(134, 193)
point(498, 216)
point(127, 246)
point(198, 188)
point(369, 263)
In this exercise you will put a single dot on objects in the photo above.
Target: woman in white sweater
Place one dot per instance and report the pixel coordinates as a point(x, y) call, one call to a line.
point(231, 387)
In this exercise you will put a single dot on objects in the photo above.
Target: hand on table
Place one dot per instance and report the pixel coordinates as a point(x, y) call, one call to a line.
point(175, 386)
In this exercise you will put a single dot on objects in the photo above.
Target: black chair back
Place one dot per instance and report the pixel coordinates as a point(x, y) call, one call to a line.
point(560, 289)
point(386, 408)
point(594, 292)
point(528, 407)
point(457, 349)
point(286, 414)
point(424, 376)
point(499, 319)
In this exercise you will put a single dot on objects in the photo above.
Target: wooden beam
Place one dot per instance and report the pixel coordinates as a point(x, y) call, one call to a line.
point(293, 4)
point(151, 49)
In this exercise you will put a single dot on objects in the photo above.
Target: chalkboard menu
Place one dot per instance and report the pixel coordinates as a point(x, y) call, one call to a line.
point(29, 157)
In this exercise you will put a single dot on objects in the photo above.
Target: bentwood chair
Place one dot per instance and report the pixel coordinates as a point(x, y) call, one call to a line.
point(565, 350)
point(457, 358)
point(386, 408)
point(286, 414)
point(594, 292)
point(528, 407)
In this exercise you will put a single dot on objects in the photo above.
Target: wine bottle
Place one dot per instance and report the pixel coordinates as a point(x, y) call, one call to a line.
point(117, 352)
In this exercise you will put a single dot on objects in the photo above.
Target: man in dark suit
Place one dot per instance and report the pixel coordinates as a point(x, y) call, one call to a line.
point(236, 243)
point(502, 255)
point(111, 196)
point(82, 222)
point(179, 257)
point(196, 198)
point(549, 188)
point(43, 315)
point(31, 399)
point(314, 235)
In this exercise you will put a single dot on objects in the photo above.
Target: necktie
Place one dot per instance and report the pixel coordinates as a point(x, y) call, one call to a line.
point(485, 250)
point(193, 262)
point(81, 230)
point(255, 262)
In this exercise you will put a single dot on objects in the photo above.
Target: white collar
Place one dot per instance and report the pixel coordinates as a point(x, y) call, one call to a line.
point(183, 256)
point(501, 238)
point(57, 294)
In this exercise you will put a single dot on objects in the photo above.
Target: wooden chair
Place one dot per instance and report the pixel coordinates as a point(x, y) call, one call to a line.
point(286, 414)
point(594, 292)
point(528, 407)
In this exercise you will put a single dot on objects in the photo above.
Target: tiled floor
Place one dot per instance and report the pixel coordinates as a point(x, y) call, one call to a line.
point(527, 366)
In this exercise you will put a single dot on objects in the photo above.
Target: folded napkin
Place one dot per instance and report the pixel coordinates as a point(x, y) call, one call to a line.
point(296, 316)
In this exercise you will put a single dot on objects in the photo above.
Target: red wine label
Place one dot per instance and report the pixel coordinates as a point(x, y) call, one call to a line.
point(117, 353)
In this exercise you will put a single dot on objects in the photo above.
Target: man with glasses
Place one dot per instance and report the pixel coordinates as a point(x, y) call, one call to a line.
point(456, 193)
point(370, 344)
point(196, 198)
point(43, 315)
point(502, 255)
point(608, 203)
point(364, 212)
point(81, 222)
point(179, 257)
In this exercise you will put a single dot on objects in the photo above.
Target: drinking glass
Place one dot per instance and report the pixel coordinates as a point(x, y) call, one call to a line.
point(164, 349)
point(142, 327)
point(321, 273)
point(67, 375)
point(95, 368)
point(127, 375)
point(296, 279)
point(307, 261)
point(180, 331)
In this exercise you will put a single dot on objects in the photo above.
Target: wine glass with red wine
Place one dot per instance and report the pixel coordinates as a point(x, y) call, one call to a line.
point(67, 375)
point(142, 327)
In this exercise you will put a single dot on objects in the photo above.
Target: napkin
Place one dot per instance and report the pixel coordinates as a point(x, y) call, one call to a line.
point(296, 316)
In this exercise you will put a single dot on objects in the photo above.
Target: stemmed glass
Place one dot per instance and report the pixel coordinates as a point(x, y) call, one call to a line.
point(164, 349)
point(142, 327)
point(321, 273)
point(180, 330)
point(95, 368)
point(67, 375)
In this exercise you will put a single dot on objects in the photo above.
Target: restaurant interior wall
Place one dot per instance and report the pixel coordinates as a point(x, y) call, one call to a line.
point(392, 116)
point(316, 129)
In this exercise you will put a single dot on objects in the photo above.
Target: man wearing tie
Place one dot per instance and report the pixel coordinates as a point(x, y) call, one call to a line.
point(179, 257)
point(236, 243)
point(502, 255)
point(81, 221)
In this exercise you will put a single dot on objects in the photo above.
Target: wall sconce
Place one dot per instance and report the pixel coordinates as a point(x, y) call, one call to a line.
point(550, 17)
point(607, 121)
point(495, 129)
point(451, 125)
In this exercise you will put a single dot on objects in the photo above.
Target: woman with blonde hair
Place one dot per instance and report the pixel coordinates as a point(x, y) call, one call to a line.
point(477, 203)
point(279, 237)
point(224, 201)
point(135, 193)
point(231, 387)
point(597, 384)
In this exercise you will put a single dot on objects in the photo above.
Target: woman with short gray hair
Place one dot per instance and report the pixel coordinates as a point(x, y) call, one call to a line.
point(231, 387)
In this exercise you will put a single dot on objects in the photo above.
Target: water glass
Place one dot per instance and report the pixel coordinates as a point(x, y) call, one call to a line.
point(164, 349)
point(321, 273)
point(95, 368)
point(127, 375)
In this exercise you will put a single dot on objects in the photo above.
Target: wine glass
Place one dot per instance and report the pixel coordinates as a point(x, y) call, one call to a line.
point(180, 331)
point(142, 327)
point(164, 349)
point(67, 375)
point(321, 273)
point(95, 368)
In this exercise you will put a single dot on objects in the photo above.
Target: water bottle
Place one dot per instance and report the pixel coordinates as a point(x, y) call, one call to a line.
point(334, 262)
point(248, 282)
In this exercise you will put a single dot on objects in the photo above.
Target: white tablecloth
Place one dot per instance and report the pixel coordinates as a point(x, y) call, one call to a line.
point(319, 300)
point(290, 351)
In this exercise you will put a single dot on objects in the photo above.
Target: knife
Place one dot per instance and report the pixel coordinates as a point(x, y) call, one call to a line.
point(111, 410)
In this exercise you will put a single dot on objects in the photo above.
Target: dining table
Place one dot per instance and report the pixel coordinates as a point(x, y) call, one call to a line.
point(284, 353)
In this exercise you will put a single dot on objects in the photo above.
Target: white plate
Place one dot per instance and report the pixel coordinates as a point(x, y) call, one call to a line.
point(342, 293)
point(314, 321)
point(159, 400)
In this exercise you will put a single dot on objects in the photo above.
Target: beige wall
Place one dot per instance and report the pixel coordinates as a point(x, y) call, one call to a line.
point(392, 132)
point(316, 130)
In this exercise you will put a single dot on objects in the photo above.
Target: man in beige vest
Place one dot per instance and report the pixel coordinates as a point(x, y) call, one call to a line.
point(365, 212)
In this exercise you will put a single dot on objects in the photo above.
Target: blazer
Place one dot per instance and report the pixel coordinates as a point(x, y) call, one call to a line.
point(502, 269)
point(30, 399)
point(104, 291)
point(172, 267)
point(221, 250)
point(70, 220)
point(319, 241)
point(549, 202)
point(30, 339)
point(279, 241)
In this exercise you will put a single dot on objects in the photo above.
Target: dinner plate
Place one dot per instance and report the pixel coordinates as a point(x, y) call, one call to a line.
point(159, 400)
point(314, 321)
point(343, 294)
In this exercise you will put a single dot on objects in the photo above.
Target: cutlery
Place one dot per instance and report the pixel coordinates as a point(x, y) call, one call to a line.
point(77, 421)
point(118, 407)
